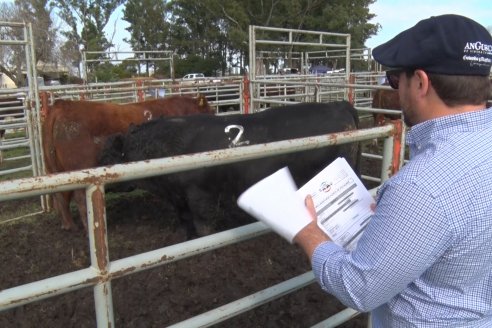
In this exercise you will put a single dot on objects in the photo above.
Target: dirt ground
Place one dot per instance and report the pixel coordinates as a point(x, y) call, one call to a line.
point(36, 248)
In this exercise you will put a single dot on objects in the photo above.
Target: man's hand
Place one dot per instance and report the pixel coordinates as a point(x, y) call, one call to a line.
point(310, 236)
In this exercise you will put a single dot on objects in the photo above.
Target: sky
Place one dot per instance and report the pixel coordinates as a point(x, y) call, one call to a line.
point(394, 16)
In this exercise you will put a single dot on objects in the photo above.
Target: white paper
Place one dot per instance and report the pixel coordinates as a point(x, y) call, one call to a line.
point(342, 203)
point(274, 201)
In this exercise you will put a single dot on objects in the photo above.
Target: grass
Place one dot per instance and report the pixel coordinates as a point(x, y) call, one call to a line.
point(11, 158)
point(19, 207)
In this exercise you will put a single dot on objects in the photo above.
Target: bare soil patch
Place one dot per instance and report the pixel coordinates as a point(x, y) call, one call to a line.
point(35, 248)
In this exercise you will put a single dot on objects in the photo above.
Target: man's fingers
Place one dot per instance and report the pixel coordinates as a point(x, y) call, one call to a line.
point(308, 201)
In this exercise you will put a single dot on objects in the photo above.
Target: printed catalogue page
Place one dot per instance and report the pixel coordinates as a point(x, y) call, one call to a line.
point(341, 200)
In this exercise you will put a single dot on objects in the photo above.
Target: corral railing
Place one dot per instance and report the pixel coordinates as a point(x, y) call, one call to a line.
point(18, 36)
point(226, 95)
point(102, 271)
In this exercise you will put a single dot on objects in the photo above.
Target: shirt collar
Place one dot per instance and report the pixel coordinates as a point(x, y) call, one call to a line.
point(422, 133)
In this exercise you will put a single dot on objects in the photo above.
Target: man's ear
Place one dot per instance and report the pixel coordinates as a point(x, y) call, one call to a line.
point(423, 81)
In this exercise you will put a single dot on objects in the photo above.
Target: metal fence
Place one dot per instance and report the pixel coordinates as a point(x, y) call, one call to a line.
point(225, 95)
point(102, 271)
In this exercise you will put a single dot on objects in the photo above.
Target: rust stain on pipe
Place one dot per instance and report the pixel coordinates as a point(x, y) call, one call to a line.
point(98, 204)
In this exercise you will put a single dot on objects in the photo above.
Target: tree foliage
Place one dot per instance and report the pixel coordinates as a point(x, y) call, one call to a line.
point(85, 20)
point(209, 36)
point(220, 29)
point(38, 13)
point(148, 28)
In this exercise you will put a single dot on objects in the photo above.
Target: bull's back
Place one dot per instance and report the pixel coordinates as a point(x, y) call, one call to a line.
point(75, 131)
point(206, 132)
point(299, 121)
point(170, 137)
point(176, 106)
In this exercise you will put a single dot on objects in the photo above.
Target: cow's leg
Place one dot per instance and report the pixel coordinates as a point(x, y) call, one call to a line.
point(186, 218)
point(205, 210)
point(61, 202)
point(79, 197)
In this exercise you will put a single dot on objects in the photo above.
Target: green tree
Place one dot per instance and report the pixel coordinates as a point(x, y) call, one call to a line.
point(197, 31)
point(341, 16)
point(38, 13)
point(86, 21)
point(149, 28)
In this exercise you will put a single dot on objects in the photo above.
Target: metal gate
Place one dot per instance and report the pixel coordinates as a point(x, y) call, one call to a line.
point(101, 271)
point(23, 101)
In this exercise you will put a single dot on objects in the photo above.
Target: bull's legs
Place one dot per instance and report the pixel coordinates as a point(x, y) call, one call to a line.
point(204, 209)
point(61, 202)
point(79, 197)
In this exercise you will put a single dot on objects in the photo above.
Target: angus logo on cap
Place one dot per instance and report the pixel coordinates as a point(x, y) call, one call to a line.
point(479, 46)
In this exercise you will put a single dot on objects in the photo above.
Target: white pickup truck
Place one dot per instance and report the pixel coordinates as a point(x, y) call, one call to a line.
point(193, 78)
point(197, 78)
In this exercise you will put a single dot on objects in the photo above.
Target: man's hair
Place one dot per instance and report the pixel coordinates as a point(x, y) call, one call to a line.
point(455, 90)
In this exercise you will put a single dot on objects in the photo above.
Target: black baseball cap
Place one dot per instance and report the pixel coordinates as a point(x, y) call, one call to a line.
point(446, 44)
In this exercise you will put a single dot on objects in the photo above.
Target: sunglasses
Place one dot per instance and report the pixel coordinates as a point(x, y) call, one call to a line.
point(393, 77)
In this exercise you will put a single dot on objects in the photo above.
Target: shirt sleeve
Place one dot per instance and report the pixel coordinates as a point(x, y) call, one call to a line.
point(407, 233)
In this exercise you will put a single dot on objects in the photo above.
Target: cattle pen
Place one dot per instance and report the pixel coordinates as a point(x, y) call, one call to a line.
point(97, 271)
point(102, 271)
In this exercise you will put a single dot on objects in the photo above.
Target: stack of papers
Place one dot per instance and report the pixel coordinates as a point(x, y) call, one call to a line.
point(342, 203)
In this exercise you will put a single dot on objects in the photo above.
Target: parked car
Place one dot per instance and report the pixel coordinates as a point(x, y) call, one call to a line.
point(193, 78)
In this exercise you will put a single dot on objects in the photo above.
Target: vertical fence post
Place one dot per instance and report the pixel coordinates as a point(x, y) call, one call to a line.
point(246, 94)
point(351, 96)
point(398, 147)
point(140, 92)
point(98, 240)
point(44, 101)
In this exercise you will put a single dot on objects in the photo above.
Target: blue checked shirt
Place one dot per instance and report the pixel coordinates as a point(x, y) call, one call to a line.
point(425, 259)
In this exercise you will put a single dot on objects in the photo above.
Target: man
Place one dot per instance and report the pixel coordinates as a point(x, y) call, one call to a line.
point(425, 259)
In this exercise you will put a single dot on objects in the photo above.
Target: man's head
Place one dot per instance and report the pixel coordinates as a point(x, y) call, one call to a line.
point(447, 44)
point(450, 54)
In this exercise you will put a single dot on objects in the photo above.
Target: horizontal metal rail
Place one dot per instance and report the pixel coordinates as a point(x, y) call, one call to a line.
point(16, 170)
point(71, 281)
point(4, 146)
point(100, 277)
point(123, 172)
point(117, 92)
point(247, 303)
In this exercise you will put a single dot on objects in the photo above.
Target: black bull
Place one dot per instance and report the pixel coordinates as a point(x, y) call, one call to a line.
point(195, 194)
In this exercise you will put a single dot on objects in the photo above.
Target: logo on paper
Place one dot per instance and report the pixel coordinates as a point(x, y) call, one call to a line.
point(325, 186)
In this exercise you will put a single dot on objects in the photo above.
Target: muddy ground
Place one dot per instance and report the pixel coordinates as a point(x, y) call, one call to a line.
point(35, 247)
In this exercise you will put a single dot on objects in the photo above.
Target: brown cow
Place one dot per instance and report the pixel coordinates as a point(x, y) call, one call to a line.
point(385, 99)
point(74, 133)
